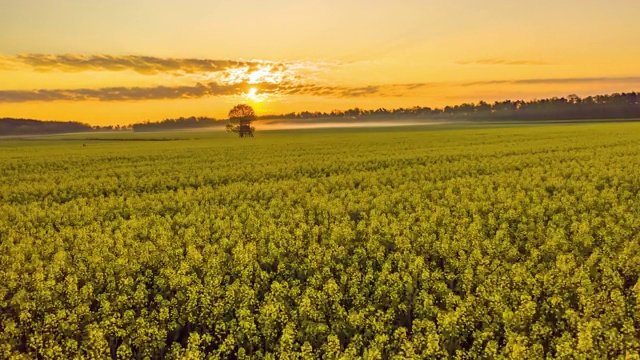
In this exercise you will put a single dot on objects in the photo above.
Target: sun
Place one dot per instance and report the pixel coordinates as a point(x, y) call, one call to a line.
point(253, 95)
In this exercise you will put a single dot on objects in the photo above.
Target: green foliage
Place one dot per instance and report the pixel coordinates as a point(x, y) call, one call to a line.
point(466, 244)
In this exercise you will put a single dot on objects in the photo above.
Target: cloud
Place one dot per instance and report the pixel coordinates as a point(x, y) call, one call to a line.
point(119, 93)
point(220, 78)
point(200, 90)
point(584, 80)
point(579, 80)
point(147, 65)
point(323, 90)
point(284, 88)
point(502, 62)
point(386, 90)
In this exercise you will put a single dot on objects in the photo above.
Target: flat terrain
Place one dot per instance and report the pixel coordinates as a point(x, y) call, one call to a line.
point(411, 242)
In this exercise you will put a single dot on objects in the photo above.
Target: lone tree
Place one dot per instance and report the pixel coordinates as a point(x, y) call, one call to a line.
point(240, 118)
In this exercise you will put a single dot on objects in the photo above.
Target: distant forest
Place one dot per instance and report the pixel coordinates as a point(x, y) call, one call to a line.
point(180, 123)
point(10, 126)
point(572, 107)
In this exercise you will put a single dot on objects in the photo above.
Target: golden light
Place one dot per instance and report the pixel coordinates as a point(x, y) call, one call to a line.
point(265, 73)
point(252, 95)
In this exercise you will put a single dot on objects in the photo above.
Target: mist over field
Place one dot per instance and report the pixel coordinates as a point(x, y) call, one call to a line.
point(327, 123)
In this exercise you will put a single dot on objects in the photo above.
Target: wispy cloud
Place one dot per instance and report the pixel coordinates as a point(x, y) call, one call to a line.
point(118, 93)
point(223, 77)
point(584, 80)
point(219, 70)
point(147, 65)
point(501, 62)
point(201, 90)
point(385, 90)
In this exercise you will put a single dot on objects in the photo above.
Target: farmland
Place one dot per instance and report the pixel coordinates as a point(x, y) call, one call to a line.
point(415, 242)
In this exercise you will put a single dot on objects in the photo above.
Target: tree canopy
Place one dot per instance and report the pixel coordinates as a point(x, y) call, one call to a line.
point(240, 118)
point(242, 112)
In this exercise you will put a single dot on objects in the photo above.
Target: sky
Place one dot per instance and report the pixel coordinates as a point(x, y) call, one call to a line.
point(126, 61)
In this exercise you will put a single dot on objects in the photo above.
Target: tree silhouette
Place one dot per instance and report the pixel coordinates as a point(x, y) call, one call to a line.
point(240, 118)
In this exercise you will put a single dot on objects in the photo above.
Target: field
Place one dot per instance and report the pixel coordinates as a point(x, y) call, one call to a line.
point(406, 243)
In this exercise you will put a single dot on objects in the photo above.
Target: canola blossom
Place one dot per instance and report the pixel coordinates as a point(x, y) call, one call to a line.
point(480, 243)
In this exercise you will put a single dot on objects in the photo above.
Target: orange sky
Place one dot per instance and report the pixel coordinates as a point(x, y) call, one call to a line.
point(119, 62)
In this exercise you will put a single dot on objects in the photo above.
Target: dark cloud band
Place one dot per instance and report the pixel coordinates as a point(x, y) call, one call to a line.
point(188, 92)
point(147, 65)
point(286, 88)
point(118, 93)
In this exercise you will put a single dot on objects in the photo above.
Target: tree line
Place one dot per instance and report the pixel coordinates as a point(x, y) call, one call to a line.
point(10, 126)
point(191, 122)
point(572, 107)
point(19, 126)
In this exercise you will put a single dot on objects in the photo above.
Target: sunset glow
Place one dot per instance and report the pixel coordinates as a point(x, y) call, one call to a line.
point(113, 63)
point(253, 95)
